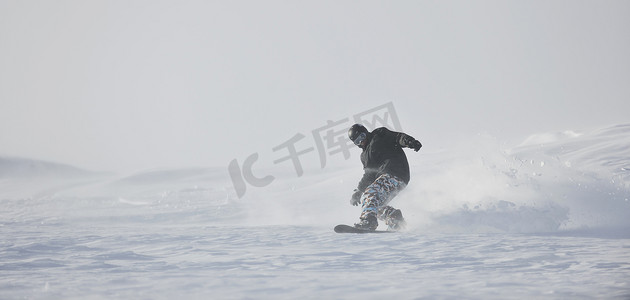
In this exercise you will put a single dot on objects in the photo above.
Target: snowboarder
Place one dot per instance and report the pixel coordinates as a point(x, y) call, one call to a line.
point(386, 173)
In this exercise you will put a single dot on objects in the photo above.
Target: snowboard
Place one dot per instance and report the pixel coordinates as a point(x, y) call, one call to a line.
point(342, 228)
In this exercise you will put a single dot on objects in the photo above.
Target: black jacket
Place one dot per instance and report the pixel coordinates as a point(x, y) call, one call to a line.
point(383, 154)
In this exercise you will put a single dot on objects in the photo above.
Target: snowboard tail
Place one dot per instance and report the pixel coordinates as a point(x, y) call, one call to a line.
point(342, 228)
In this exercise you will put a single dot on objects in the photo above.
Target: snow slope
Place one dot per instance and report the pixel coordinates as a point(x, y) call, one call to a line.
point(547, 219)
point(550, 183)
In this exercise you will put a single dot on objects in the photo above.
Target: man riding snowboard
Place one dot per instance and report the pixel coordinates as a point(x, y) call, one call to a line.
point(386, 173)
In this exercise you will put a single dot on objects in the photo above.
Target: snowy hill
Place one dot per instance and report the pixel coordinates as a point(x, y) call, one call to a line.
point(605, 151)
point(478, 214)
point(13, 167)
point(30, 178)
point(588, 173)
point(551, 182)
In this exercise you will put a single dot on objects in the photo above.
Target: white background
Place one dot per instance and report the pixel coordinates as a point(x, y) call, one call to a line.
point(131, 85)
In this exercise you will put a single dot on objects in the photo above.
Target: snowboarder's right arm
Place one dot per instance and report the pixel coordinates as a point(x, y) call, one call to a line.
point(356, 197)
point(368, 177)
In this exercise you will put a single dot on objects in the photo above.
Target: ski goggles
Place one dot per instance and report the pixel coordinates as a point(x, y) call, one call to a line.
point(360, 139)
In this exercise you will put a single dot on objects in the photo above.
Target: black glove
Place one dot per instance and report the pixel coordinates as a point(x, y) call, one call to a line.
point(410, 142)
point(415, 145)
point(356, 197)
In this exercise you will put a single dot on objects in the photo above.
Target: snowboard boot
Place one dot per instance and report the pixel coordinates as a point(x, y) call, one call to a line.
point(395, 221)
point(367, 222)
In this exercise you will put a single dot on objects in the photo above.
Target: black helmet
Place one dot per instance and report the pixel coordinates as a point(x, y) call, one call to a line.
point(355, 131)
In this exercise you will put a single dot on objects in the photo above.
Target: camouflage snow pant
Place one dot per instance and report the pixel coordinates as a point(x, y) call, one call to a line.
point(378, 194)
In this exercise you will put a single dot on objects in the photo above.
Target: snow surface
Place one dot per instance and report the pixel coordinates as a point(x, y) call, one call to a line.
point(548, 219)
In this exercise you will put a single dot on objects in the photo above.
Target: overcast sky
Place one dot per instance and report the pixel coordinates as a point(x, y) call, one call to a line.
point(131, 85)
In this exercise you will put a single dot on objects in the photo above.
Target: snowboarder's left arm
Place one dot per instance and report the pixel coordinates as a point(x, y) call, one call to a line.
point(405, 140)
